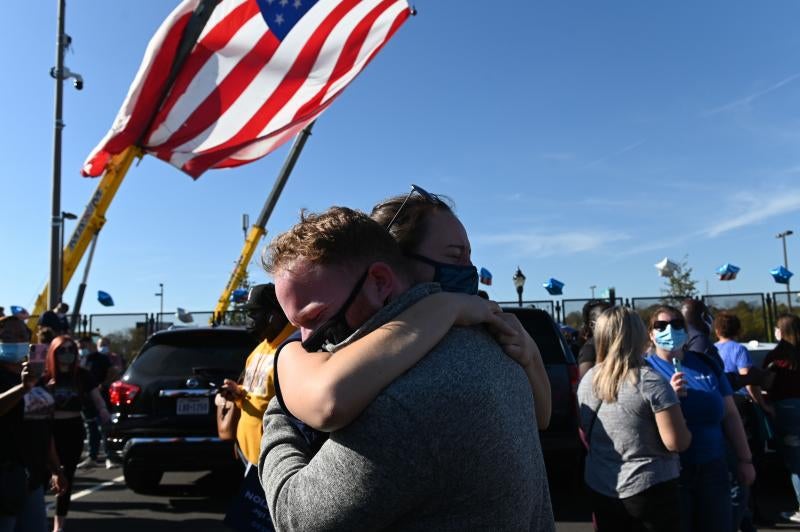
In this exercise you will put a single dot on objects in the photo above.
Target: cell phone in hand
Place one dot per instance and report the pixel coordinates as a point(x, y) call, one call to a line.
point(676, 363)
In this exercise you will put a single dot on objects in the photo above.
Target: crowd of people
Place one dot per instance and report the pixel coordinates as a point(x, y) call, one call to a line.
point(52, 391)
point(386, 392)
point(653, 466)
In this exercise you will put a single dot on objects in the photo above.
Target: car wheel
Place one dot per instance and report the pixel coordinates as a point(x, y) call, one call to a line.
point(141, 480)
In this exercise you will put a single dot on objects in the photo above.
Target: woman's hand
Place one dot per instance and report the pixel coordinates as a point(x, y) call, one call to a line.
point(231, 390)
point(58, 482)
point(26, 377)
point(678, 383)
point(515, 340)
point(746, 473)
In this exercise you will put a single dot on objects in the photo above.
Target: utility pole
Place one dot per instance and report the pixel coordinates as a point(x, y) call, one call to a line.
point(783, 236)
point(55, 219)
point(160, 294)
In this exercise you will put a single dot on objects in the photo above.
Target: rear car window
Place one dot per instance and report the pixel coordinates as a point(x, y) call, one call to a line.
point(540, 326)
point(191, 354)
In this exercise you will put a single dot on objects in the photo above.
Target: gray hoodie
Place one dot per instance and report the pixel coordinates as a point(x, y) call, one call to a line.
point(450, 445)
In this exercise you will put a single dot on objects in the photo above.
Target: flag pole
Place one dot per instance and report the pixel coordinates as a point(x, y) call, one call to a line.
point(259, 228)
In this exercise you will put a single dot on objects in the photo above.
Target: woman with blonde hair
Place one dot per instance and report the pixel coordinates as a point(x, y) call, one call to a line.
point(634, 429)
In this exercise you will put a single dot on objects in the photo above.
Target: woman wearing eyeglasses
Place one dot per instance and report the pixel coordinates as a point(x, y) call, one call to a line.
point(712, 418)
point(72, 387)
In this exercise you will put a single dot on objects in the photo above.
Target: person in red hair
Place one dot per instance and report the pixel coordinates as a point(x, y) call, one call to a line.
point(72, 387)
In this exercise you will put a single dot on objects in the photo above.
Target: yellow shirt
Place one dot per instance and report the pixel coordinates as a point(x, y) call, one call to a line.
point(259, 385)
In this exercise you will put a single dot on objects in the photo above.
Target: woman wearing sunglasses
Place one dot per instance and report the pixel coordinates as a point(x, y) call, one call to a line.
point(328, 392)
point(712, 418)
point(634, 428)
point(72, 387)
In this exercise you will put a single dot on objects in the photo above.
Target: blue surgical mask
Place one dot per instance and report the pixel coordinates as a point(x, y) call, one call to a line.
point(104, 349)
point(14, 352)
point(83, 352)
point(670, 338)
point(452, 277)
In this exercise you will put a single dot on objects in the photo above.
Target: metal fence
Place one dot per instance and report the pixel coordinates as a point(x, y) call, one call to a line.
point(751, 309)
point(757, 312)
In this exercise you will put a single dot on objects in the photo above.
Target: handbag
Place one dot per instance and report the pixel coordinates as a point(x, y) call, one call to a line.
point(13, 488)
point(227, 418)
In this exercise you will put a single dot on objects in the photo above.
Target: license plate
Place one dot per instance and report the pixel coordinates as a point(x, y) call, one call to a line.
point(193, 406)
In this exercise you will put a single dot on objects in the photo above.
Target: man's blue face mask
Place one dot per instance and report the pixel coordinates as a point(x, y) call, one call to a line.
point(452, 277)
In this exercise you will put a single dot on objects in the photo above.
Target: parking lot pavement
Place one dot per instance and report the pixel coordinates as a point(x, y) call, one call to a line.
point(183, 501)
point(198, 501)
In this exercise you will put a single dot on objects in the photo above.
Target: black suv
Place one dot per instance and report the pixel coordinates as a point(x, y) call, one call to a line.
point(561, 436)
point(164, 417)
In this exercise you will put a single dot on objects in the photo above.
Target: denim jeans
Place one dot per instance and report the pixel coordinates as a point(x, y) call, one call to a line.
point(706, 497)
point(95, 436)
point(32, 517)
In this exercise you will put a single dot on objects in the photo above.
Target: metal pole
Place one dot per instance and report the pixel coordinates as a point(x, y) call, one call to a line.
point(283, 176)
point(519, 295)
point(786, 265)
point(61, 261)
point(76, 311)
point(55, 250)
point(161, 293)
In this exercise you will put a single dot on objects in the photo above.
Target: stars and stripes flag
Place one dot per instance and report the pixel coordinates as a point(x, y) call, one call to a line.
point(260, 71)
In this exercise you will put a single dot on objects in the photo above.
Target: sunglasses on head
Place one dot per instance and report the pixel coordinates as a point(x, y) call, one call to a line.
point(676, 323)
point(427, 196)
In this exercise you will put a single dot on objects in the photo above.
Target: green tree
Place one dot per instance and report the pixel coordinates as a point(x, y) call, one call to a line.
point(679, 282)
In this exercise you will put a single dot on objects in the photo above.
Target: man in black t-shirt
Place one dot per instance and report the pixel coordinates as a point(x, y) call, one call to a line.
point(56, 319)
point(98, 365)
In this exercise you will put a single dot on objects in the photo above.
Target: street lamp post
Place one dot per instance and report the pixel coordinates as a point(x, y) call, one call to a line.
point(592, 289)
point(519, 284)
point(160, 294)
point(64, 216)
point(783, 236)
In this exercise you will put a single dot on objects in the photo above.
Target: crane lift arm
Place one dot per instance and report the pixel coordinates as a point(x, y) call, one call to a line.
point(92, 220)
point(259, 229)
point(254, 236)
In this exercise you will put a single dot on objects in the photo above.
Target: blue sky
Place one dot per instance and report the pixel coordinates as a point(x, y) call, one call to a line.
point(580, 140)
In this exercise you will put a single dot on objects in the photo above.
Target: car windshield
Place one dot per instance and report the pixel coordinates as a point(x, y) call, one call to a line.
point(177, 359)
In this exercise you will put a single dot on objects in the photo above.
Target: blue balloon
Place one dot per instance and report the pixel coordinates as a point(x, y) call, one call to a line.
point(554, 287)
point(781, 275)
point(727, 272)
point(105, 298)
point(239, 295)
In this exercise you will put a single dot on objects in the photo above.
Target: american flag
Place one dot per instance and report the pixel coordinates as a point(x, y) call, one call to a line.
point(259, 73)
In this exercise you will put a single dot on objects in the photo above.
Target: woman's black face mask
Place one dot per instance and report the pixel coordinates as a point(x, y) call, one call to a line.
point(336, 329)
point(452, 277)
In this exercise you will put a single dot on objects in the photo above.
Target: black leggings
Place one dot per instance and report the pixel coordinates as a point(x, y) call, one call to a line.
point(655, 509)
point(68, 435)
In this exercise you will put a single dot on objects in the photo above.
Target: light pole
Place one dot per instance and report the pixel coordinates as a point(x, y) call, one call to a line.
point(783, 236)
point(519, 284)
point(160, 294)
point(64, 216)
point(59, 73)
point(592, 289)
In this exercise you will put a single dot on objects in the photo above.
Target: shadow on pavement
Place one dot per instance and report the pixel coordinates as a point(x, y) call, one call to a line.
point(132, 524)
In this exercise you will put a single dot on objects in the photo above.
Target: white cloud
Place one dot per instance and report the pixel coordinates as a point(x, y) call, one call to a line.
point(555, 243)
point(750, 210)
point(629, 147)
point(747, 100)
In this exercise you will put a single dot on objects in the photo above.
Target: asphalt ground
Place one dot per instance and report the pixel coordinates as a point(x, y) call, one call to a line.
point(198, 501)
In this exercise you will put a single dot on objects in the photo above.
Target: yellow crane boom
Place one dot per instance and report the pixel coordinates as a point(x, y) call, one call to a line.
point(90, 223)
